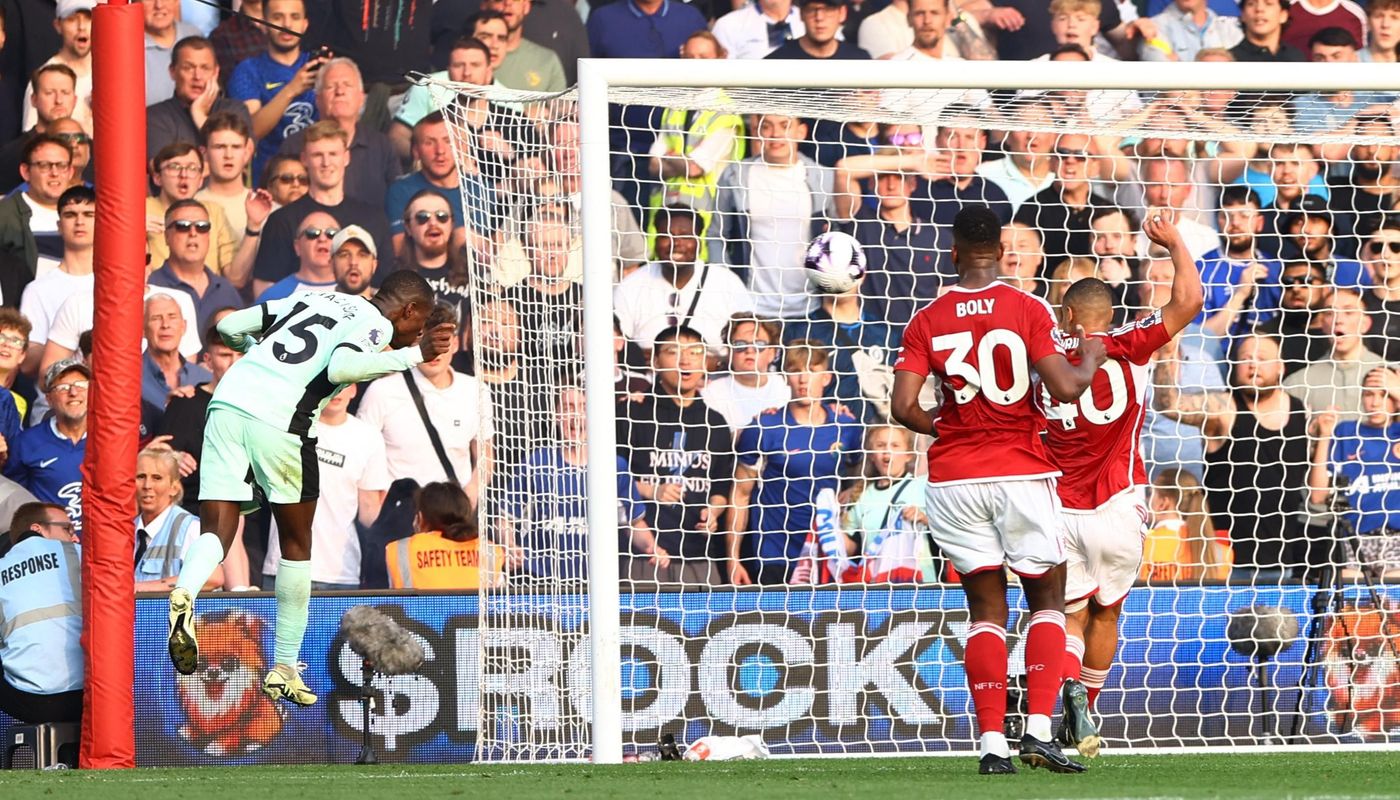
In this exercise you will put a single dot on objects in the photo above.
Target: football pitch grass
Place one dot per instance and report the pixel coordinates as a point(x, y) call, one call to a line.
point(1286, 776)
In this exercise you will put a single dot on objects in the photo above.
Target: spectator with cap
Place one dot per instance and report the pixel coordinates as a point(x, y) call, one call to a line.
point(47, 459)
point(340, 98)
point(41, 599)
point(1308, 234)
point(642, 28)
point(73, 21)
point(679, 287)
point(526, 65)
point(1324, 112)
point(1306, 18)
point(325, 153)
point(354, 259)
point(178, 171)
point(187, 233)
point(164, 30)
point(1298, 324)
point(1295, 173)
point(821, 21)
point(164, 530)
point(1383, 32)
point(164, 371)
point(1185, 28)
point(197, 95)
point(276, 86)
point(29, 219)
point(1263, 22)
point(756, 29)
point(1335, 384)
point(312, 246)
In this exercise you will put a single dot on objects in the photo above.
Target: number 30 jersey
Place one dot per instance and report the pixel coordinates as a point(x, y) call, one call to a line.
point(283, 380)
point(1096, 440)
point(982, 345)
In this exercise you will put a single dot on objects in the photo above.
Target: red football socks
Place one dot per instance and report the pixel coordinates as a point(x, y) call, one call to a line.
point(1045, 657)
point(984, 659)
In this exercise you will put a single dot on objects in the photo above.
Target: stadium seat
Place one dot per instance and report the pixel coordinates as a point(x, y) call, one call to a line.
point(40, 746)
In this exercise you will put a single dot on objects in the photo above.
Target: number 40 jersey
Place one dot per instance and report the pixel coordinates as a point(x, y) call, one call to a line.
point(983, 345)
point(1096, 440)
point(283, 379)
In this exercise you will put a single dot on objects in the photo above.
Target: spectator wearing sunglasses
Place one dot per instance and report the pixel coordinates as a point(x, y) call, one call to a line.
point(79, 142)
point(325, 153)
point(749, 388)
point(1298, 325)
point(286, 179)
point(432, 149)
point(312, 245)
point(178, 170)
point(1063, 212)
point(428, 232)
point(1382, 258)
point(187, 232)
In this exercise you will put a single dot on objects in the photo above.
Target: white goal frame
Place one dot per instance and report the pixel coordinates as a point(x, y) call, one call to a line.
point(598, 76)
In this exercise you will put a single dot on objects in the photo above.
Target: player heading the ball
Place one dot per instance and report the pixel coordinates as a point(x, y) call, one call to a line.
point(1095, 442)
point(991, 498)
point(261, 431)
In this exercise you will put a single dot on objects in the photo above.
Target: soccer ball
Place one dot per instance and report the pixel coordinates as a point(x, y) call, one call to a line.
point(835, 262)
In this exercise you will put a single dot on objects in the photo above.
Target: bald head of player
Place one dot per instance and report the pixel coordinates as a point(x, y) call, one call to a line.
point(1088, 302)
point(976, 244)
point(405, 300)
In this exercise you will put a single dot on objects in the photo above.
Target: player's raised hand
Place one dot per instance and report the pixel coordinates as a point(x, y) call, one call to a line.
point(1160, 227)
point(1091, 348)
point(437, 341)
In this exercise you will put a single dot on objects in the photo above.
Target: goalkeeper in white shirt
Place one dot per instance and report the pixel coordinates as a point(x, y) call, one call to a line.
point(261, 431)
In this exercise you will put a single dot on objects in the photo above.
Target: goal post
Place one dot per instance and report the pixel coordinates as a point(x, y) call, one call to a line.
point(828, 661)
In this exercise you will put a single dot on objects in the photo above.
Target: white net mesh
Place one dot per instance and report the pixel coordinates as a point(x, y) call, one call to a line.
point(755, 445)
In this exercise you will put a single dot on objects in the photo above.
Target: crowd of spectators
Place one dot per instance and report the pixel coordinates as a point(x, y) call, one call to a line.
point(752, 409)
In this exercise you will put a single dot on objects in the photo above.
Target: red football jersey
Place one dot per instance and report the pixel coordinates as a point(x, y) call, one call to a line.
point(983, 344)
point(1095, 441)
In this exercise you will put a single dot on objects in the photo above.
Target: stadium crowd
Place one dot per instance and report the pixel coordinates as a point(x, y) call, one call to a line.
point(299, 157)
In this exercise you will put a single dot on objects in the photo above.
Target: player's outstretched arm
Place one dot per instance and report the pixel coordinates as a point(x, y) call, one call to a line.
point(237, 329)
point(1066, 381)
point(1187, 296)
point(351, 365)
point(904, 402)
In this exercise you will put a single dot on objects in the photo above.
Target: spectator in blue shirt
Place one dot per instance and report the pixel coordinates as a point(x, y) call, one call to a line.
point(1358, 458)
point(1241, 281)
point(642, 28)
point(797, 451)
point(47, 459)
point(164, 371)
point(548, 504)
point(860, 345)
point(277, 86)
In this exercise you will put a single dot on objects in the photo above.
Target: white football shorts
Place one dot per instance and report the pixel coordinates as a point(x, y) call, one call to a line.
point(240, 451)
point(1105, 548)
point(981, 526)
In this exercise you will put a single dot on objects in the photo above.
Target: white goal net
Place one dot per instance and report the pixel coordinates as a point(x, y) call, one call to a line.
point(776, 573)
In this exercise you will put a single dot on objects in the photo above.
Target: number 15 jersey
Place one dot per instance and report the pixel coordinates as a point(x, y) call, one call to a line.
point(284, 379)
point(1096, 440)
point(982, 344)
